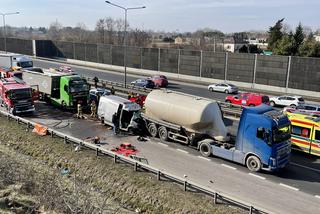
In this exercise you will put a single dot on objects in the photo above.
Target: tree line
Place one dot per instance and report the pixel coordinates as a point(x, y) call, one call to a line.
point(300, 42)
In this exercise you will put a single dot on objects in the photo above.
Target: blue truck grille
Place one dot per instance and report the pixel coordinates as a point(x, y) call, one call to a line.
point(283, 155)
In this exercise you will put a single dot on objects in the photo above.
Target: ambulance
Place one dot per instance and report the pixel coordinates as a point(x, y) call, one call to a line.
point(305, 133)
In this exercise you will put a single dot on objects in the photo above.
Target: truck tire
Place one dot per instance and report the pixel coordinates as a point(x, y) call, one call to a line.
point(253, 163)
point(163, 133)
point(251, 105)
point(205, 149)
point(152, 128)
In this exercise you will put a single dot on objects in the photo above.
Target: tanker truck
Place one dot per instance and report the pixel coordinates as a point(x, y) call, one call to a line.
point(261, 142)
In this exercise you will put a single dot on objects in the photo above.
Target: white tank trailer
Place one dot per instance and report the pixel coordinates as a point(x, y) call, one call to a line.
point(183, 118)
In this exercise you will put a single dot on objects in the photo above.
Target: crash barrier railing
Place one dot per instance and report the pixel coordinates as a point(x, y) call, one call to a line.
point(187, 185)
point(227, 108)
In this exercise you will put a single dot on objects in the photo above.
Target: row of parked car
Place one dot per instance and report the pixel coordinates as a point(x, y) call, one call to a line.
point(292, 103)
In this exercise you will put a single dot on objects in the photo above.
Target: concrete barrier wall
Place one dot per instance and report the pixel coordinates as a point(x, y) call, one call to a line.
point(272, 70)
point(240, 67)
point(213, 65)
point(305, 73)
point(189, 62)
point(169, 59)
point(280, 73)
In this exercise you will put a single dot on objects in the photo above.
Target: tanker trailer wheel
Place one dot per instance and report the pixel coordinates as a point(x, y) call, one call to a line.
point(163, 133)
point(152, 128)
point(205, 149)
point(253, 163)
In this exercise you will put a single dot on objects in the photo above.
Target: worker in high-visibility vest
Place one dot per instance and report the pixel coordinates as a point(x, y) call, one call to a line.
point(93, 109)
point(79, 110)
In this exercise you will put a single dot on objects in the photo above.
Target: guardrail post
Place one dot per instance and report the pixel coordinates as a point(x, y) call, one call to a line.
point(288, 73)
point(8, 116)
point(226, 67)
point(159, 53)
point(18, 120)
point(74, 50)
point(85, 52)
point(251, 209)
point(97, 151)
point(135, 166)
point(254, 70)
point(111, 54)
point(97, 53)
point(65, 139)
point(28, 126)
point(185, 183)
point(115, 158)
point(179, 55)
point(200, 66)
point(158, 175)
point(51, 133)
point(140, 58)
point(215, 195)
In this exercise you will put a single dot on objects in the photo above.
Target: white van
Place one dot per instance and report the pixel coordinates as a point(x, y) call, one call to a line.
point(125, 109)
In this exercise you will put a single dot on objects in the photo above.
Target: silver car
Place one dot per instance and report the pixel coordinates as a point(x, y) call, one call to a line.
point(223, 87)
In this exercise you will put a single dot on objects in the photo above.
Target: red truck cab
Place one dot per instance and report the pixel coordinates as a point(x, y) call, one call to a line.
point(139, 99)
point(16, 96)
point(248, 99)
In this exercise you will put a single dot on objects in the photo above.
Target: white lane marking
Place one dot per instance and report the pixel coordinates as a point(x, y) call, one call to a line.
point(180, 150)
point(230, 167)
point(257, 176)
point(290, 187)
point(306, 167)
point(162, 144)
point(317, 196)
point(204, 158)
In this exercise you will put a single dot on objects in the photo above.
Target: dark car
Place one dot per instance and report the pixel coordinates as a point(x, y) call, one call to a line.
point(95, 93)
point(144, 83)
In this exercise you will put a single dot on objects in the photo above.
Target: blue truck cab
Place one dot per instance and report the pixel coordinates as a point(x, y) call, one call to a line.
point(262, 140)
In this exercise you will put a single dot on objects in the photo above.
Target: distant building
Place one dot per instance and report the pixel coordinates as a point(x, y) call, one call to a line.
point(317, 38)
point(181, 41)
point(230, 45)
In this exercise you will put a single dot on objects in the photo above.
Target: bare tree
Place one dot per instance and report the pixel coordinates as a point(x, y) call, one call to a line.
point(54, 31)
point(119, 23)
point(110, 25)
point(101, 29)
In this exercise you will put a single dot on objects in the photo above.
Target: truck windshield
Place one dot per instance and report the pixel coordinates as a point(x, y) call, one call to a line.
point(79, 87)
point(26, 64)
point(281, 134)
point(20, 94)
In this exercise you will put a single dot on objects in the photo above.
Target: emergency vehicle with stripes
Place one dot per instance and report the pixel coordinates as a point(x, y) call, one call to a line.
point(305, 133)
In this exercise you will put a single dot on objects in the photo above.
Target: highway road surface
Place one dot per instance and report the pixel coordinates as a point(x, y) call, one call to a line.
point(296, 189)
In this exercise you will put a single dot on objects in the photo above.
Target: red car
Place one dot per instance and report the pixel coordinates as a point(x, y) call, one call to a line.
point(160, 81)
point(248, 99)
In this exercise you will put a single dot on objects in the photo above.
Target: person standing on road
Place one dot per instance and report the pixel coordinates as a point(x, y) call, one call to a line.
point(95, 80)
point(79, 110)
point(93, 109)
point(115, 122)
point(113, 91)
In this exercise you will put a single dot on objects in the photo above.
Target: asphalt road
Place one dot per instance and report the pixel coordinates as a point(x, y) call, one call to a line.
point(290, 191)
point(302, 175)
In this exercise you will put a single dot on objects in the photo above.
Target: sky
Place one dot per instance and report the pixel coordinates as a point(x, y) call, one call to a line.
point(167, 15)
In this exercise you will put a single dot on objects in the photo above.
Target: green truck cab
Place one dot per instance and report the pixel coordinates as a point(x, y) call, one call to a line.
point(60, 89)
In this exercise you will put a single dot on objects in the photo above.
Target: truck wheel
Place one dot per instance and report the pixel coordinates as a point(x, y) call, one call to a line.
point(228, 101)
point(251, 105)
point(205, 149)
point(152, 128)
point(163, 133)
point(272, 103)
point(253, 163)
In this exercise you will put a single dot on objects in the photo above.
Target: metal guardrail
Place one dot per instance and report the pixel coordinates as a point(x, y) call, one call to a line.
point(187, 185)
point(227, 108)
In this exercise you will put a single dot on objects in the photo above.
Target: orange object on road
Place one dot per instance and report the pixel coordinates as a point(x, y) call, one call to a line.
point(40, 129)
